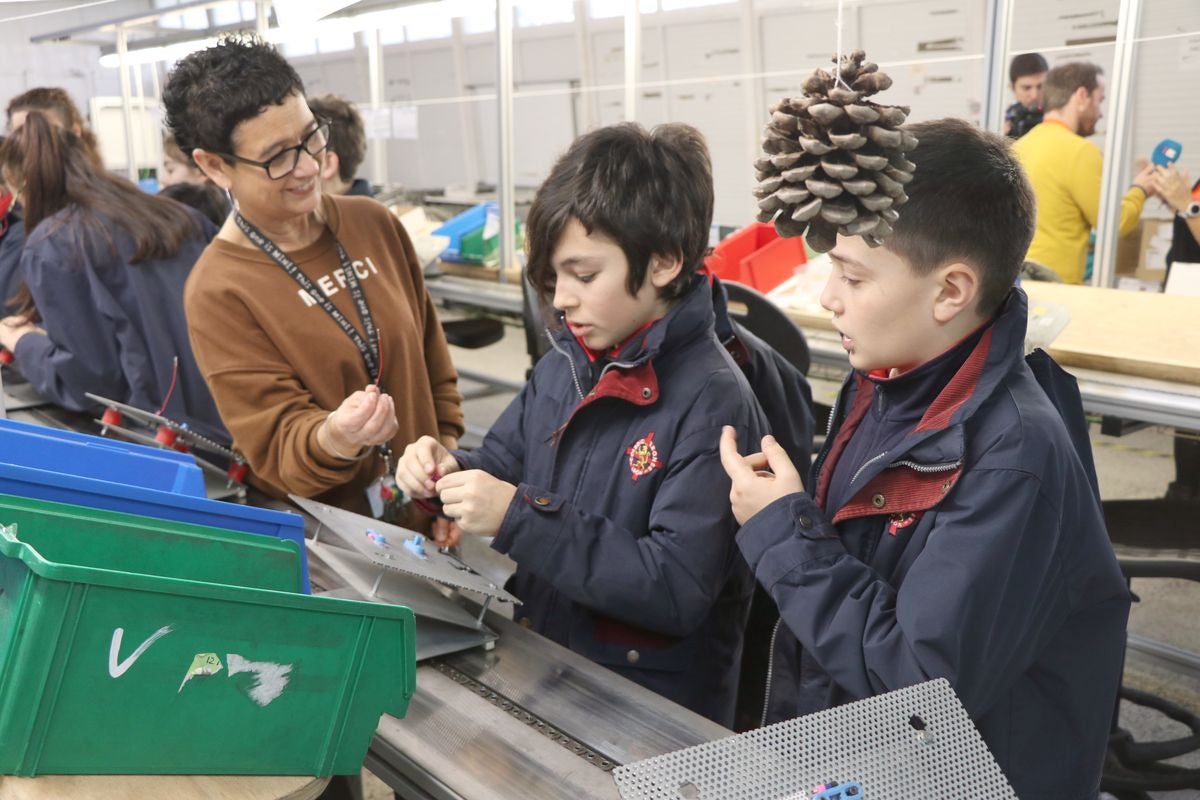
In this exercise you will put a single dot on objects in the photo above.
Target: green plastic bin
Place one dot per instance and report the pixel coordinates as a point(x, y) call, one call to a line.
point(116, 662)
point(90, 537)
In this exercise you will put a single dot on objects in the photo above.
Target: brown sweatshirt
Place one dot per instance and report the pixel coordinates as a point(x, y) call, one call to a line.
point(277, 364)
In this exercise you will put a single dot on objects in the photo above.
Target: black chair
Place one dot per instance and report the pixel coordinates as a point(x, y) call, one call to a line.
point(473, 333)
point(768, 322)
point(1153, 539)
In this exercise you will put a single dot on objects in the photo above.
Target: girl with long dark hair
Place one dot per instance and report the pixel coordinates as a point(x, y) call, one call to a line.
point(101, 306)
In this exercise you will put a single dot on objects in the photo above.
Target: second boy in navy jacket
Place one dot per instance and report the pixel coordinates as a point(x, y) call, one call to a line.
point(602, 480)
point(952, 527)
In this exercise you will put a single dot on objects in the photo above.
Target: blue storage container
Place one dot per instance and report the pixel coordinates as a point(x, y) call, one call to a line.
point(458, 227)
point(60, 487)
point(112, 460)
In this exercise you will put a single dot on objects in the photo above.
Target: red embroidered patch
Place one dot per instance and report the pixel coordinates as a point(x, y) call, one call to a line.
point(643, 456)
point(898, 521)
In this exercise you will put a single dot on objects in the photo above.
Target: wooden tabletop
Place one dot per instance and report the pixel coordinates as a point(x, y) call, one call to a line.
point(155, 787)
point(1144, 334)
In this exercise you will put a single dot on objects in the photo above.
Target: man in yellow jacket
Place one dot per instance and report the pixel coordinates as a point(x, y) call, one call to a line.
point(1064, 168)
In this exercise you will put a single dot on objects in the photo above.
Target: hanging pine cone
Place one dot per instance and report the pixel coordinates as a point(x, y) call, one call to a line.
point(834, 161)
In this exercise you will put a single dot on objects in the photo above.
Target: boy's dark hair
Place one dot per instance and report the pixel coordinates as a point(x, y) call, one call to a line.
point(212, 91)
point(204, 197)
point(969, 201)
point(1026, 64)
point(347, 137)
point(1064, 80)
point(651, 192)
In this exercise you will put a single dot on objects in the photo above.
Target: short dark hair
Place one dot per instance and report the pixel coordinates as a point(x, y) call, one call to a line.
point(1064, 80)
point(650, 191)
point(1026, 64)
point(969, 201)
point(204, 197)
point(347, 137)
point(212, 91)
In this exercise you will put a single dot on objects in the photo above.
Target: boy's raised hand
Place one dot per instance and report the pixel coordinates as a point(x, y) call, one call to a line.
point(422, 464)
point(475, 500)
point(752, 488)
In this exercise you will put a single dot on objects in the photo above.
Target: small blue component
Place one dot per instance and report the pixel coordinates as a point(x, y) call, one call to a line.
point(1166, 153)
point(416, 546)
point(840, 791)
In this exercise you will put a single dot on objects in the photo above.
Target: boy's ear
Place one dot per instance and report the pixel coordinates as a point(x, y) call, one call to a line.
point(213, 166)
point(663, 269)
point(957, 291)
point(329, 169)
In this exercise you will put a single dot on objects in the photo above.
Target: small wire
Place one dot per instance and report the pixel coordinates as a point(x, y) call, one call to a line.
point(379, 350)
point(171, 388)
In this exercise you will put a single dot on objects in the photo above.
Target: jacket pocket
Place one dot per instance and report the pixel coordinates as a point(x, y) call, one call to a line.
point(614, 643)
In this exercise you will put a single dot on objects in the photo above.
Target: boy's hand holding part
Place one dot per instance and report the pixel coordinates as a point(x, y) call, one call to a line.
point(759, 479)
point(473, 500)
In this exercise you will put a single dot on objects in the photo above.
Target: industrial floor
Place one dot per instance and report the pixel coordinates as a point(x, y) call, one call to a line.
point(1135, 466)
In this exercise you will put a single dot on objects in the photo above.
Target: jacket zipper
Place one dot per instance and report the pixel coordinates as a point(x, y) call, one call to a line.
point(570, 361)
point(833, 414)
point(770, 673)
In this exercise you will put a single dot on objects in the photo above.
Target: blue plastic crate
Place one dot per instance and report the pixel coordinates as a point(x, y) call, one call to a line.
point(112, 460)
point(60, 487)
point(458, 227)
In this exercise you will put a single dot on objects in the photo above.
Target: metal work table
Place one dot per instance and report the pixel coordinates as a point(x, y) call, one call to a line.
point(486, 295)
point(1142, 399)
point(463, 736)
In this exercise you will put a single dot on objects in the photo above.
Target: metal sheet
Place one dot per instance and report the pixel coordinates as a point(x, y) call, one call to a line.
point(434, 565)
point(397, 588)
point(914, 742)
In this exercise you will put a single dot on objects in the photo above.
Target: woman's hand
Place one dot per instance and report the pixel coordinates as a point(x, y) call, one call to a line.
point(364, 419)
point(13, 328)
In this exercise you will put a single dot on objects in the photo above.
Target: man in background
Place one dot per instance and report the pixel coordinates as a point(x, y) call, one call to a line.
point(347, 146)
point(1065, 169)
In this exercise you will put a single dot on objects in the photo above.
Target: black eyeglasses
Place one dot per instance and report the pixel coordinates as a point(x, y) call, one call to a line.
point(284, 162)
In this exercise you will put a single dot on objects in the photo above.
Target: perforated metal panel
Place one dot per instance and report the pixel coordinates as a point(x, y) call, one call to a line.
point(912, 743)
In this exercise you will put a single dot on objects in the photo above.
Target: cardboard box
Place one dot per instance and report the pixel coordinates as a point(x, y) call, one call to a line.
point(1152, 254)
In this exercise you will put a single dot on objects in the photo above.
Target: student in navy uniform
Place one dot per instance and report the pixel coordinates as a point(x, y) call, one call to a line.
point(12, 238)
point(347, 146)
point(602, 479)
point(952, 526)
point(101, 308)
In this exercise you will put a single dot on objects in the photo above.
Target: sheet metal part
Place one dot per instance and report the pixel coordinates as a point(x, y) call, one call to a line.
point(914, 742)
point(435, 565)
point(148, 418)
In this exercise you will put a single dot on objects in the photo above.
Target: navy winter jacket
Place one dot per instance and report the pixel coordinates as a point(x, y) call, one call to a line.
point(974, 550)
point(780, 388)
point(113, 328)
point(11, 242)
point(621, 526)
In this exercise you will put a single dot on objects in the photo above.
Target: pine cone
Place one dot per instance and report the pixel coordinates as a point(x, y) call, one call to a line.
point(834, 160)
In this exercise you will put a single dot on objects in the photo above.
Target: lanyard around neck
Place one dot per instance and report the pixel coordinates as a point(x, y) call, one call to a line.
point(369, 348)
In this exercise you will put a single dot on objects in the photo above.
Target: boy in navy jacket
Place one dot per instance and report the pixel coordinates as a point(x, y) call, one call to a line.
point(603, 479)
point(951, 526)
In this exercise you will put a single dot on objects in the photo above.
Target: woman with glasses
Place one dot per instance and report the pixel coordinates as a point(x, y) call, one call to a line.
point(100, 306)
point(308, 312)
